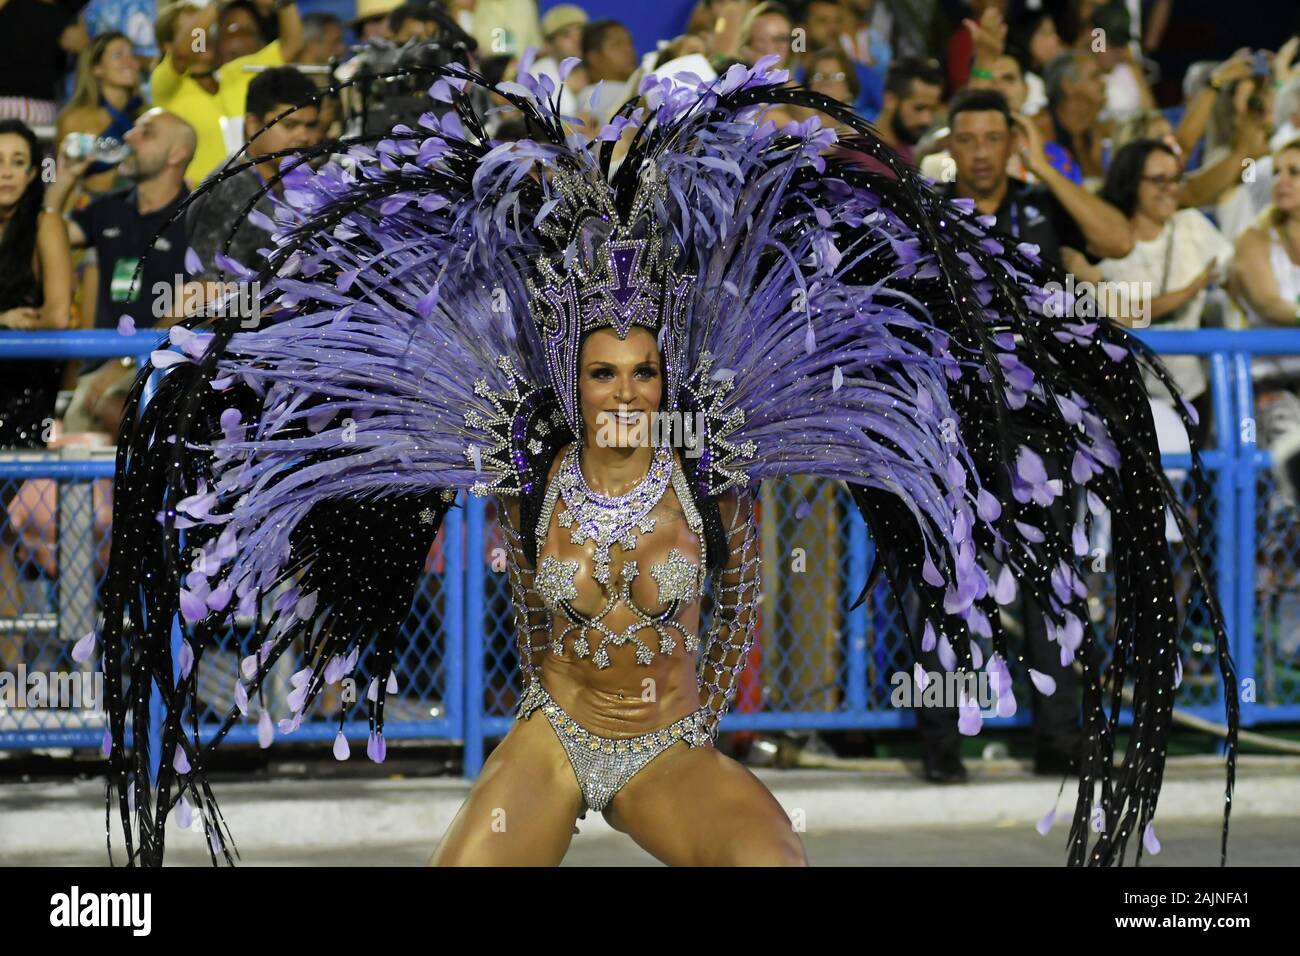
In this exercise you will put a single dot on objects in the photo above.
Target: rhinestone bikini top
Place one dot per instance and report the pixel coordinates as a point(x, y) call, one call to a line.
point(616, 520)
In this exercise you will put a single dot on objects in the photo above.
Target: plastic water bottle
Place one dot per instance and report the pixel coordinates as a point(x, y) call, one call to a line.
point(103, 149)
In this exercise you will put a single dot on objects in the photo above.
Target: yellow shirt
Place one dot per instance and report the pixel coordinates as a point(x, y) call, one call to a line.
point(181, 94)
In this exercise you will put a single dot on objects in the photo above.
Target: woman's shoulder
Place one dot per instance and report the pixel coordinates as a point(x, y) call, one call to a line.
point(1194, 219)
point(81, 119)
point(554, 467)
point(1254, 240)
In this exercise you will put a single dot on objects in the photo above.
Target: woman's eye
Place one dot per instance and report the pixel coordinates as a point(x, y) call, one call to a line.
point(647, 372)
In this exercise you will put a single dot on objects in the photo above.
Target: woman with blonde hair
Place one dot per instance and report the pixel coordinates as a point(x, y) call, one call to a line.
point(1266, 282)
point(105, 101)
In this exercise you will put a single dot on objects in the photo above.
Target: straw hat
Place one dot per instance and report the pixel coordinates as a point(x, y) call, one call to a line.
point(561, 16)
point(369, 9)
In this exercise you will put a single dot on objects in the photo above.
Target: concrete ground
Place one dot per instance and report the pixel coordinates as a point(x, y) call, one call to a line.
point(879, 813)
point(1256, 841)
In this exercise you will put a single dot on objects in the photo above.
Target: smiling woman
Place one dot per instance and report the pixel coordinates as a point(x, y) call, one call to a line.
point(621, 386)
point(621, 592)
point(1177, 254)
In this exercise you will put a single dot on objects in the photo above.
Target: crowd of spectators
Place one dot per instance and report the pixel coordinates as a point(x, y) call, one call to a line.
point(1044, 114)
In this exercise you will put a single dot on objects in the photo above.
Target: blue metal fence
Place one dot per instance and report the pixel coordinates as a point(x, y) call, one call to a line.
point(818, 665)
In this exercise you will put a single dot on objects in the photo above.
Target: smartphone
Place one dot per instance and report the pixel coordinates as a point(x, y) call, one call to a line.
point(1261, 63)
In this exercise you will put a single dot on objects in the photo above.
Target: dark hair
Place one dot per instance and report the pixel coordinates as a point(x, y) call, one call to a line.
point(767, 9)
point(1064, 67)
point(511, 131)
point(1020, 34)
point(1125, 173)
point(18, 242)
point(493, 67)
point(846, 64)
point(246, 6)
point(906, 69)
point(978, 101)
point(593, 34)
point(407, 11)
point(314, 24)
point(268, 26)
point(278, 87)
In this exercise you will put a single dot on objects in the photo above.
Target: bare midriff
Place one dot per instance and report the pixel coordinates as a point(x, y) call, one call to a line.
point(627, 698)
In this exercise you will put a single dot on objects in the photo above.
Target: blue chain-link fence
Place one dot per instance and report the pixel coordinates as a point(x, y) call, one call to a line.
point(819, 663)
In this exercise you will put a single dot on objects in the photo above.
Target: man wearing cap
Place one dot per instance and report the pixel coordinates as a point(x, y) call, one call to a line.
point(562, 38)
point(371, 22)
point(562, 31)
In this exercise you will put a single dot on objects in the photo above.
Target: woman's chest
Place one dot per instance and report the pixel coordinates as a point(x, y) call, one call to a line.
point(655, 565)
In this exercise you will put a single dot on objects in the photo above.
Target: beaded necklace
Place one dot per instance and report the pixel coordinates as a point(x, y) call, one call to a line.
point(604, 519)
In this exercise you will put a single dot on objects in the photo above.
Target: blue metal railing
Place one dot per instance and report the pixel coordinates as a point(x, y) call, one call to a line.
point(470, 637)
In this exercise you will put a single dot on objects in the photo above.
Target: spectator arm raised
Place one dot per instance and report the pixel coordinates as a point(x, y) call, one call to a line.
point(292, 40)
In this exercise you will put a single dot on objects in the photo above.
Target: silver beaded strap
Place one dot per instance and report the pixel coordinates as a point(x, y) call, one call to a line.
point(532, 616)
point(682, 487)
point(737, 590)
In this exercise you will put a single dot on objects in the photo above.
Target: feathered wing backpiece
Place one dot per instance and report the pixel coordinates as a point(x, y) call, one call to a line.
point(823, 313)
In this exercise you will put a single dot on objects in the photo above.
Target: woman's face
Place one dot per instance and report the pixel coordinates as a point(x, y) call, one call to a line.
point(1045, 44)
point(1286, 182)
point(620, 385)
point(1158, 191)
point(16, 169)
point(828, 77)
point(118, 65)
point(240, 34)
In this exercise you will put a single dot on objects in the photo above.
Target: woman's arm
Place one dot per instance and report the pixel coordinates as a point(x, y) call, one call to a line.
point(1162, 305)
point(532, 617)
point(1146, 98)
point(736, 593)
point(54, 258)
point(291, 36)
point(75, 37)
point(1204, 186)
point(1252, 280)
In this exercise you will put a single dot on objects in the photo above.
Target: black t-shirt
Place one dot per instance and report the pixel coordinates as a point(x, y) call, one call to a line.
point(121, 237)
point(31, 61)
point(220, 214)
point(1030, 213)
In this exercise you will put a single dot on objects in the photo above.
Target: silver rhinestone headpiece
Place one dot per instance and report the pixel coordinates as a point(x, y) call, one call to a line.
point(611, 276)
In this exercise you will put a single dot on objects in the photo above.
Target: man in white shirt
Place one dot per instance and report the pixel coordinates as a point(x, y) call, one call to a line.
point(562, 35)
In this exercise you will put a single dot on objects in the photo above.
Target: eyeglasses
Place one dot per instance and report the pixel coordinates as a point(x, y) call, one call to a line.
point(1160, 182)
point(829, 77)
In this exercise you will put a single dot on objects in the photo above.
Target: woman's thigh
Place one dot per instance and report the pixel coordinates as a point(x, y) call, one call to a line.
point(522, 808)
point(698, 807)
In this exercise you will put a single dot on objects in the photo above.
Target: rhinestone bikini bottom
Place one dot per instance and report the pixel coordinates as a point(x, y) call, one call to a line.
point(604, 765)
